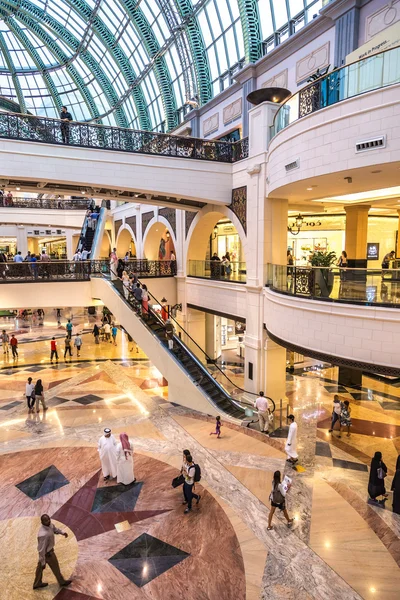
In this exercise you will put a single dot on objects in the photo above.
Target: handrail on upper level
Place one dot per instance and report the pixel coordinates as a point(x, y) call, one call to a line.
point(365, 75)
point(45, 203)
point(25, 127)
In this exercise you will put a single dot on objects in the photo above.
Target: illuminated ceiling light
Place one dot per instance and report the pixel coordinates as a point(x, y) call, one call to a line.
point(18, 188)
point(309, 189)
point(392, 192)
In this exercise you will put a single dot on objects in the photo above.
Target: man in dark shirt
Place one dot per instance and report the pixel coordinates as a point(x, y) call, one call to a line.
point(65, 117)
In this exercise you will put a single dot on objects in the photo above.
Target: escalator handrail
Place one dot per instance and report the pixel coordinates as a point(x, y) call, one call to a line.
point(203, 352)
point(186, 349)
point(206, 355)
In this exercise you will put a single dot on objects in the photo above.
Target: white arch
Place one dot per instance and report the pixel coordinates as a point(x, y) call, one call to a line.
point(222, 210)
point(162, 220)
point(128, 228)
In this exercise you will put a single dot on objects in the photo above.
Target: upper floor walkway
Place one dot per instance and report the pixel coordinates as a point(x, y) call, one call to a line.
point(109, 161)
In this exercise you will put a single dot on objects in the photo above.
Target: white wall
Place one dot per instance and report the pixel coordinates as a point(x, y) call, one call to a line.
point(325, 140)
point(45, 295)
point(42, 217)
point(361, 333)
point(228, 298)
point(178, 177)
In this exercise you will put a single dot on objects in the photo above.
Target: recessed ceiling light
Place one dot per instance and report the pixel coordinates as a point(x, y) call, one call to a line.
point(18, 188)
point(309, 189)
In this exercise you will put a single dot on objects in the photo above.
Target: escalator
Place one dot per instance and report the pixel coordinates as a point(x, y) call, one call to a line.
point(225, 397)
point(90, 239)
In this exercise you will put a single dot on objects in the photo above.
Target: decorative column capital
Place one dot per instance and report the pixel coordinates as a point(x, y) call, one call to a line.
point(254, 170)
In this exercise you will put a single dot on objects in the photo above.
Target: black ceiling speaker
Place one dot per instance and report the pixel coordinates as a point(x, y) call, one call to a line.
point(272, 94)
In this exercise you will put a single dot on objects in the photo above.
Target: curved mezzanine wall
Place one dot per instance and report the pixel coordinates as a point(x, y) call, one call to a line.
point(324, 144)
point(354, 334)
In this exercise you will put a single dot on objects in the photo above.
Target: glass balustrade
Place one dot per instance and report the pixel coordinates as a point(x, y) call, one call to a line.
point(334, 284)
point(372, 73)
point(214, 269)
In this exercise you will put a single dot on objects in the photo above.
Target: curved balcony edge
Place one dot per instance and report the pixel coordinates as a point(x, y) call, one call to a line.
point(362, 337)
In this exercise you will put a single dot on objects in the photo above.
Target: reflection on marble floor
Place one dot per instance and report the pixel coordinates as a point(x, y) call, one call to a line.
point(136, 541)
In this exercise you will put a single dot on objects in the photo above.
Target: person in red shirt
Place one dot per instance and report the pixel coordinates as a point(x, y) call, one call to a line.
point(14, 346)
point(53, 348)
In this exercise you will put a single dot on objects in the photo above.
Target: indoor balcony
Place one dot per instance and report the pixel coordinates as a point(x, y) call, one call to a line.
point(335, 129)
point(346, 316)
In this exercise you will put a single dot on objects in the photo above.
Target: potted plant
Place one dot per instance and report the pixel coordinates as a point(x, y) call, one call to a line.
point(323, 277)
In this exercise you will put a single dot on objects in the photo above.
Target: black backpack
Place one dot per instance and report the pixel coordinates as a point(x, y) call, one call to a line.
point(197, 473)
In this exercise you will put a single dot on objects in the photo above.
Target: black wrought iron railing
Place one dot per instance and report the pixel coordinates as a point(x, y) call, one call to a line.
point(46, 203)
point(60, 270)
point(56, 270)
point(141, 267)
point(371, 73)
point(89, 135)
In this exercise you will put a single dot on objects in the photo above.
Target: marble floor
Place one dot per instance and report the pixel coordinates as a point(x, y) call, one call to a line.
point(135, 541)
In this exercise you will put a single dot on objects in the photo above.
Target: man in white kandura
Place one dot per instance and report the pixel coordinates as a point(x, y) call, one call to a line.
point(125, 473)
point(291, 442)
point(108, 457)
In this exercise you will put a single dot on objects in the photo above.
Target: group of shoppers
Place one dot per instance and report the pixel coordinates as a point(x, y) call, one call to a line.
point(9, 342)
point(376, 483)
point(220, 267)
point(341, 413)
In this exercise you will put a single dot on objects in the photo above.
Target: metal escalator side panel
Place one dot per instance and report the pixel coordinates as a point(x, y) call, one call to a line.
point(98, 234)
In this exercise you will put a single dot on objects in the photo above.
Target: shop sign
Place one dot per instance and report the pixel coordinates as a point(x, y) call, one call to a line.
point(388, 38)
point(372, 251)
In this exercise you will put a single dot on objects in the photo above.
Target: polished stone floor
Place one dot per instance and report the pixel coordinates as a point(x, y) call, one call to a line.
point(135, 542)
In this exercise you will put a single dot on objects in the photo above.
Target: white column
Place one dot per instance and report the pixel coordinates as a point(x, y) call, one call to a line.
point(213, 336)
point(253, 340)
point(275, 371)
point(70, 244)
point(22, 240)
point(180, 242)
point(139, 236)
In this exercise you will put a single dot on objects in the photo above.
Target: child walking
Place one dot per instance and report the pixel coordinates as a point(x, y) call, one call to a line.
point(218, 424)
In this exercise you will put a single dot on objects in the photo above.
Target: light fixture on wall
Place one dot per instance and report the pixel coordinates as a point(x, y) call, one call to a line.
point(215, 232)
point(297, 223)
point(167, 235)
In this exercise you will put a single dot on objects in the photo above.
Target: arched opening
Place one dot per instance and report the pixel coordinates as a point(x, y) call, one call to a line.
point(125, 243)
point(215, 236)
point(105, 247)
point(158, 243)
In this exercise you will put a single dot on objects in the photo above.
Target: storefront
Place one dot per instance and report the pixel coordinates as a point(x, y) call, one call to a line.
point(8, 246)
point(326, 233)
point(232, 336)
point(55, 247)
point(225, 238)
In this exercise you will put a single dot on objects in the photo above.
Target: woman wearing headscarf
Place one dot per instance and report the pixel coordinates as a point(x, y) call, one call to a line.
point(124, 450)
point(396, 488)
point(377, 474)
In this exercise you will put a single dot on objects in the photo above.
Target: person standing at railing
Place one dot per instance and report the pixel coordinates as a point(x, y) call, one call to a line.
point(45, 258)
point(173, 263)
point(34, 266)
point(262, 406)
point(145, 301)
point(342, 263)
point(387, 259)
point(18, 258)
point(65, 117)
point(215, 266)
point(113, 264)
point(9, 199)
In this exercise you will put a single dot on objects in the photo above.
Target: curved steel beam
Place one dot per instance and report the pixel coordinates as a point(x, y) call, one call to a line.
point(24, 8)
point(106, 37)
point(251, 28)
point(11, 68)
point(161, 71)
point(198, 50)
point(61, 56)
point(23, 38)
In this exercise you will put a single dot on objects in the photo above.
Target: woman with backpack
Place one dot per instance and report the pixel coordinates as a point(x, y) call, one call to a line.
point(278, 499)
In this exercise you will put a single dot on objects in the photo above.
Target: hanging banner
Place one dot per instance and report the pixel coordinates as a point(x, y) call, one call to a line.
point(388, 38)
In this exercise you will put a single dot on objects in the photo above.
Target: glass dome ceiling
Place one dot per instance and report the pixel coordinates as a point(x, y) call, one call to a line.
point(135, 63)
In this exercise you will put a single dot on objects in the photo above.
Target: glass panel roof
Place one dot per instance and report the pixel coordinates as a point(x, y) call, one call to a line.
point(131, 62)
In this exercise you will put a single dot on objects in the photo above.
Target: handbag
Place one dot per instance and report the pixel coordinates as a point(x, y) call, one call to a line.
point(381, 473)
point(177, 481)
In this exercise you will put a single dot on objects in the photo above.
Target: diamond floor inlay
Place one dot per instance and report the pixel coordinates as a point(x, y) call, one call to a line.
point(146, 558)
point(43, 483)
point(118, 497)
